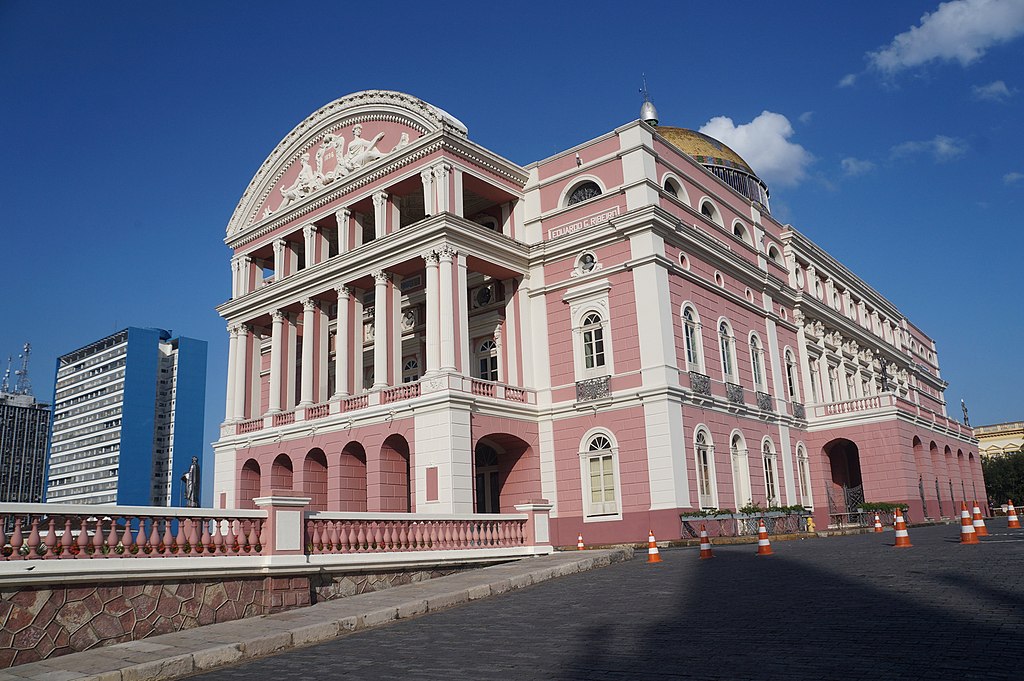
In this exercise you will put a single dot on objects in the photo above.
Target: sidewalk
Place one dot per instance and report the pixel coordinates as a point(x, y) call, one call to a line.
point(171, 656)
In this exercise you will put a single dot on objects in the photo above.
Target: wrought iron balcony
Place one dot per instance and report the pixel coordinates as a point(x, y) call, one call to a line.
point(700, 383)
point(734, 392)
point(592, 389)
point(764, 401)
point(799, 411)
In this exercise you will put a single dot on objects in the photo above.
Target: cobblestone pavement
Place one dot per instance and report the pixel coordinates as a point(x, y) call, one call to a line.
point(840, 608)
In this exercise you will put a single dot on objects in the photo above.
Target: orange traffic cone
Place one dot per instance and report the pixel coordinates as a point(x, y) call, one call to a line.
point(652, 549)
point(1011, 516)
point(764, 547)
point(967, 534)
point(902, 536)
point(978, 522)
point(878, 523)
point(705, 544)
point(579, 542)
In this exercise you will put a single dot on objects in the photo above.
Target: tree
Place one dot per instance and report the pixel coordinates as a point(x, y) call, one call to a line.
point(1004, 477)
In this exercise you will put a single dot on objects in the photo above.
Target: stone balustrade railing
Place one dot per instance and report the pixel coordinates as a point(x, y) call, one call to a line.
point(332, 533)
point(66, 531)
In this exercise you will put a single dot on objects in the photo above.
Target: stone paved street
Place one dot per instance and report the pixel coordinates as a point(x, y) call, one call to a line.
point(840, 608)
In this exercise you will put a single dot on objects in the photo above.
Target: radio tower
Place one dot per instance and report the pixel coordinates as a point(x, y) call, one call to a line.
point(23, 386)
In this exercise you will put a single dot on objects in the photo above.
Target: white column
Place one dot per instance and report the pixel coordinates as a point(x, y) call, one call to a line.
point(427, 176)
point(236, 278)
point(341, 351)
point(276, 341)
point(309, 243)
point(380, 213)
point(433, 314)
point(381, 330)
point(447, 312)
point(462, 340)
point(229, 410)
point(241, 366)
point(308, 360)
point(245, 272)
point(442, 175)
point(344, 218)
point(280, 245)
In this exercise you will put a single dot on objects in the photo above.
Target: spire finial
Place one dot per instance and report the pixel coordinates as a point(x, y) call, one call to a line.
point(648, 114)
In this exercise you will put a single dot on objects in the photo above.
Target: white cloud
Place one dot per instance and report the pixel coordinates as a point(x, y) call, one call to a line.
point(960, 30)
point(856, 166)
point(806, 117)
point(848, 80)
point(995, 91)
point(764, 144)
point(941, 148)
point(1012, 178)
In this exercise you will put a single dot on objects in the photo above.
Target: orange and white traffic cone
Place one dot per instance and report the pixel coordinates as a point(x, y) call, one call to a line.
point(579, 542)
point(978, 522)
point(652, 549)
point(878, 523)
point(1011, 516)
point(902, 536)
point(705, 544)
point(764, 547)
point(967, 534)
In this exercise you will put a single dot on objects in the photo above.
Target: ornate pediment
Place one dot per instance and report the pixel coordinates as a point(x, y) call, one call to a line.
point(336, 143)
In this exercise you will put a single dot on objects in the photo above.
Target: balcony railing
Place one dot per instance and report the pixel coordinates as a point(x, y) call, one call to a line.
point(700, 383)
point(799, 411)
point(593, 389)
point(734, 393)
point(251, 426)
point(284, 418)
point(764, 401)
point(325, 535)
point(318, 411)
point(406, 391)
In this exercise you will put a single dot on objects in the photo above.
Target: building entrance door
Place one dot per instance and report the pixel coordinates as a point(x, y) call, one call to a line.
point(487, 480)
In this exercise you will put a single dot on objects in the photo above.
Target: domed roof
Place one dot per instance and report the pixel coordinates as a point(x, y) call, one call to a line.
point(705, 150)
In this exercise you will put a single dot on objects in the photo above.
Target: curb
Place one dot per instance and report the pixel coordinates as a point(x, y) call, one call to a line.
point(200, 649)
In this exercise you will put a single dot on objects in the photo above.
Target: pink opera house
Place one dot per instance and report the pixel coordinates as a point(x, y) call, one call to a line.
point(620, 331)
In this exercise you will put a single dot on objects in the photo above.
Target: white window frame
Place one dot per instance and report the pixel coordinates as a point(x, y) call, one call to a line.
point(579, 181)
point(411, 369)
point(611, 510)
point(487, 349)
point(803, 474)
point(583, 300)
point(727, 350)
point(716, 214)
point(769, 462)
point(682, 195)
point(740, 454)
point(698, 342)
point(705, 470)
point(792, 378)
point(757, 363)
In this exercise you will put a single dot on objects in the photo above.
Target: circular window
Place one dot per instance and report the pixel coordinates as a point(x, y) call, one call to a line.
point(684, 261)
point(587, 190)
point(749, 294)
point(719, 279)
point(483, 295)
point(782, 312)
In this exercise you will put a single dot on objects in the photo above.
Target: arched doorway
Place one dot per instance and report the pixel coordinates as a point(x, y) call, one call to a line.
point(351, 479)
point(390, 483)
point(846, 487)
point(742, 494)
point(314, 479)
point(503, 474)
point(249, 484)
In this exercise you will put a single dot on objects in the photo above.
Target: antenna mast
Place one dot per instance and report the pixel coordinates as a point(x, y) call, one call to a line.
point(23, 386)
point(5, 386)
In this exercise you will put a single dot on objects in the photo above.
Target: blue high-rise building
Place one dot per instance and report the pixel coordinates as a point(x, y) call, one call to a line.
point(128, 418)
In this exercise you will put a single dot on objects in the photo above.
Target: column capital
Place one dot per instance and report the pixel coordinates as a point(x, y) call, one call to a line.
point(430, 257)
point(379, 198)
point(308, 305)
point(342, 214)
point(441, 170)
point(233, 330)
point(342, 290)
point(243, 329)
point(277, 316)
point(279, 245)
point(427, 175)
point(309, 230)
point(380, 277)
point(447, 252)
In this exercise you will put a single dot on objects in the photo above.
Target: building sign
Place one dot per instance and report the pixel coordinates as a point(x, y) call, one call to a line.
point(589, 221)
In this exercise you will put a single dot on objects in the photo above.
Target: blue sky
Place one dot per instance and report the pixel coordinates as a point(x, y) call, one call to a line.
point(890, 133)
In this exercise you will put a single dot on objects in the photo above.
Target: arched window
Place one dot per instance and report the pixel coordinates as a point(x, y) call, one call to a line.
point(691, 339)
point(775, 256)
point(740, 470)
point(757, 362)
point(804, 475)
point(794, 396)
point(672, 187)
point(410, 371)
point(771, 491)
point(599, 466)
point(725, 347)
point(739, 230)
point(708, 210)
point(705, 453)
point(487, 360)
point(593, 341)
point(586, 190)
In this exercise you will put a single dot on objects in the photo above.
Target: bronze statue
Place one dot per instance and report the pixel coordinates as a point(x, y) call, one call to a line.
point(191, 480)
